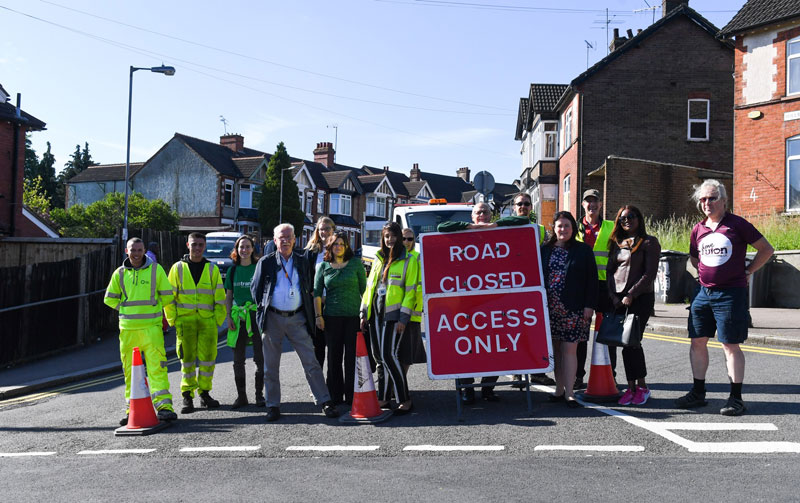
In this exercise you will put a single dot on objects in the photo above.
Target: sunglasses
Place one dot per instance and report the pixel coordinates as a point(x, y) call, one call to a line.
point(523, 203)
point(408, 239)
point(627, 218)
point(710, 199)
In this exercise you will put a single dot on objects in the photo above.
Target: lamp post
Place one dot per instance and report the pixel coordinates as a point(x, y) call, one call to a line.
point(166, 70)
point(280, 203)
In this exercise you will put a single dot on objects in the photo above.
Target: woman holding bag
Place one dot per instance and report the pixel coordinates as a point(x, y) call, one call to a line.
point(631, 272)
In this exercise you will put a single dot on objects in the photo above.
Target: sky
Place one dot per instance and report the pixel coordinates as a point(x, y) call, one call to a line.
point(390, 82)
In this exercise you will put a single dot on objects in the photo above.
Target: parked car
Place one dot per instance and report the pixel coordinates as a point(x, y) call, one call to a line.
point(219, 246)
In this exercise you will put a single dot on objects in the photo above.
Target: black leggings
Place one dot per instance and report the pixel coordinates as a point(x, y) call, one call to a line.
point(633, 358)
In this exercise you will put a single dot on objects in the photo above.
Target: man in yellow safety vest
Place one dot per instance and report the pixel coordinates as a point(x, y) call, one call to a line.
point(199, 309)
point(139, 290)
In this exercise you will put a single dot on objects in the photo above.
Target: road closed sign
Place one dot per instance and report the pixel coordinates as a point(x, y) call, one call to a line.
point(485, 304)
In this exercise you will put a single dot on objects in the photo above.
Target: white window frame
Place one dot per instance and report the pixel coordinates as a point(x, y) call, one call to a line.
point(320, 202)
point(341, 204)
point(245, 196)
point(691, 121)
point(228, 193)
point(567, 129)
point(788, 173)
point(567, 187)
point(789, 59)
point(309, 203)
point(376, 206)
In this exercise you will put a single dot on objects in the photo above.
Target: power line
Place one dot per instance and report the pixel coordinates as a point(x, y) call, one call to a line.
point(269, 62)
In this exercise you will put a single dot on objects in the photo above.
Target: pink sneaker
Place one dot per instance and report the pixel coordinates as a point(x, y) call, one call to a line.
point(626, 398)
point(641, 396)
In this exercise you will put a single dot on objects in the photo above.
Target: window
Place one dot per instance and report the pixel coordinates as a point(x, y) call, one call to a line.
point(550, 139)
point(256, 189)
point(309, 203)
point(376, 206)
point(567, 129)
point(793, 66)
point(320, 202)
point(245, 196)
point(340, 204)
point(567, 183)
point(698, 111)
point(228, 193)
point(793, 174)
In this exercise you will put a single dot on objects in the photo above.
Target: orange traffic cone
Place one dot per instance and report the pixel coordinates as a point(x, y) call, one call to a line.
point(142, 418)
point(365, 400)
point(602, 385)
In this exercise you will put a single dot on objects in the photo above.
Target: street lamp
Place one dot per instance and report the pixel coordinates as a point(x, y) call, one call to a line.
point(280, 203)
point(166, 70)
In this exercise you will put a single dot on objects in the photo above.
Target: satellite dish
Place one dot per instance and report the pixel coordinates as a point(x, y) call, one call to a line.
point(484, 182)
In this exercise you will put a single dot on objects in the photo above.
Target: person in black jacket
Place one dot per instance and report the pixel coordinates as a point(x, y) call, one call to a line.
point(570, 275)
point(282, 289)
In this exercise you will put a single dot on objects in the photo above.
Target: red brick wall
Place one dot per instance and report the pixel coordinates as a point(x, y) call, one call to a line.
point(568, 165)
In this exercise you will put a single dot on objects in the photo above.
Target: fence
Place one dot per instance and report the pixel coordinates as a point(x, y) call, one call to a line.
point(23, 251)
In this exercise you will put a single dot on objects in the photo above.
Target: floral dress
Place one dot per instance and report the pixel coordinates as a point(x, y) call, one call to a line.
point(565, 325)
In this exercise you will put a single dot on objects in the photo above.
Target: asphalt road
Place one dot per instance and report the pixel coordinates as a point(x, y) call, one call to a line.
point(59, 444)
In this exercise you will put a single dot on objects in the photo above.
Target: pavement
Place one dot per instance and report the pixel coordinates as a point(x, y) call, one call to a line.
point(771, 327)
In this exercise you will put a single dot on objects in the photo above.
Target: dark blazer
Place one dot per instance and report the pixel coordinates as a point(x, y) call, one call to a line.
point(642, 271)
point(581, 286)
point(263, 285)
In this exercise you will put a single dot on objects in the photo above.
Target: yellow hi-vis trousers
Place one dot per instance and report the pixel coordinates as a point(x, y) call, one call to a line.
point(150, 341)
point(197, 349)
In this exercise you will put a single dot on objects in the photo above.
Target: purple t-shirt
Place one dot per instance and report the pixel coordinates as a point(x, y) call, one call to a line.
point(721, 252)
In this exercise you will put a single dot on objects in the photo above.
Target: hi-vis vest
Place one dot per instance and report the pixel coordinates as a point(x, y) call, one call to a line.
point(416, 314)
point(139, 294)
point(600, 248)
point(205, 299)
point(401, 288)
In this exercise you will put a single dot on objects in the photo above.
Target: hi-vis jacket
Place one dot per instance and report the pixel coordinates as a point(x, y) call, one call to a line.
point(401, 288)
point(600, 248)
point(205, 299)
point(416, 314)
point(139, 294)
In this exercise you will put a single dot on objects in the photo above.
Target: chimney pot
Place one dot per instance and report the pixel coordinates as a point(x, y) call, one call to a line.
point(616, 32)
point(630, 33)
point(235, 142)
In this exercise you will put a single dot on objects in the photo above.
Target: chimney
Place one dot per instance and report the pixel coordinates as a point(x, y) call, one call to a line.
point(414, 175)
point(630, 33)
point(669, 5)
point(463, 173)
point(324, 154)
point(386, 169)
point(234, 142)
point(617, 42)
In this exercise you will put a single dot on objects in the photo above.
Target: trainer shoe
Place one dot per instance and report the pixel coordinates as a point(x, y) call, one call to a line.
point(626, 397)
point(579, 384)
point(124, 421)
point(691, 400)
point(330, 410)
point(167, 415)
point(734, 407)
point(207, 401)
point(641, 396)
point(188, 404)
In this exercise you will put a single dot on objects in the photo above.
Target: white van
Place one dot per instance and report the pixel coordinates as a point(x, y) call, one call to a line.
point(219, 246)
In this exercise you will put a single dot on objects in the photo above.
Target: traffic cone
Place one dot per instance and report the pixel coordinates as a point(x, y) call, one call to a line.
point(142, 419)
point(602, 385)
point(365, 408)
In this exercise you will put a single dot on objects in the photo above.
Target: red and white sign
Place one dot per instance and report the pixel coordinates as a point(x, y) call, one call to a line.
point(485, 306)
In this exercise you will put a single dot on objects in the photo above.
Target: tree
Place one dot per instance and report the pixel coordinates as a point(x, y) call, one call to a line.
point(31, 159)
point(104, 218)
point(79, 161)
point(268, 208)
point(34, 196)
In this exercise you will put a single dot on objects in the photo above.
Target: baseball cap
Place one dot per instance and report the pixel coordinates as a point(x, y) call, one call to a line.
point(592, 193)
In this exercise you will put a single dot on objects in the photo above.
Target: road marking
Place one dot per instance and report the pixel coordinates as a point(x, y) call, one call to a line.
point(599, 448)
point(22, 454)
point(454, 448)
point(746, 447)
point(715, 344)
point(222, 449)
point(119, 451)
point(717, 426)
point(333, 448)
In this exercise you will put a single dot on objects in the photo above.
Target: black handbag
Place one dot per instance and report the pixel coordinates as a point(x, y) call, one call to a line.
point(620, 330)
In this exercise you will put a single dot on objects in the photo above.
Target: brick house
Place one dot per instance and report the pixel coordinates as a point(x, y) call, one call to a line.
point(16, 220)
point(662, 95)
point(766, 172)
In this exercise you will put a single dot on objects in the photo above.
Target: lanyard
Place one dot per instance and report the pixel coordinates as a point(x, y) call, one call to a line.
point(286, 273)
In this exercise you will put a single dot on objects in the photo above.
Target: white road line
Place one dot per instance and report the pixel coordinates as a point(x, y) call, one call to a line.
point(717, 426)
point(118, 451)
point(600, 448)
point(22, 454)
point(333, 448)
point(746, 447)
point(222, 449)
point(454, 448)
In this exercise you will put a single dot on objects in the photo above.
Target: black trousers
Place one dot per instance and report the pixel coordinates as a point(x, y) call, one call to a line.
point(340, 337)
point(385, 346)
point(318, 338)
point(604, 305)
point(633, 358)
point(240, 352)
point(484, 380)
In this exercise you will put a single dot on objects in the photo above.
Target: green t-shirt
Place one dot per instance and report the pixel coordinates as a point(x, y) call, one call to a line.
point(343, 287)
point(241, 283)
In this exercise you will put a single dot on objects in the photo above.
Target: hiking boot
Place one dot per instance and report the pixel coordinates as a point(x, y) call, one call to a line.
point(641, 396)
point(166, 415)
point(626, 398)
point(260, 402)
point(207, 401)
point(734, 407)
point(188, 404)
point(691, 400)
point(240, 401)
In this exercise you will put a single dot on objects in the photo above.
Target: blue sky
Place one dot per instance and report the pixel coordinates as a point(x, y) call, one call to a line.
point(406, 81)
